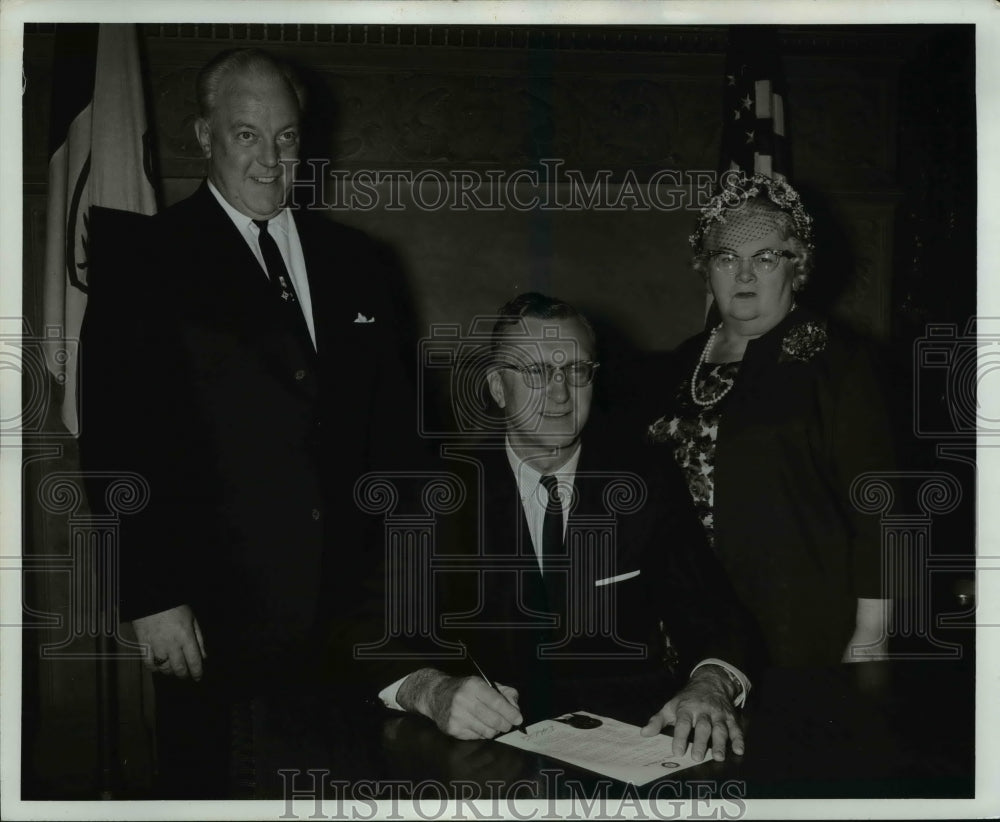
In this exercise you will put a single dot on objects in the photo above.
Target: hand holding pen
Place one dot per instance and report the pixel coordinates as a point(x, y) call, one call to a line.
point(465, 707)
point(490, 682)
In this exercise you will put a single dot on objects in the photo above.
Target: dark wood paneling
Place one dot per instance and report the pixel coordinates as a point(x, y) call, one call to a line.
point(619, 99)
point(842, 122)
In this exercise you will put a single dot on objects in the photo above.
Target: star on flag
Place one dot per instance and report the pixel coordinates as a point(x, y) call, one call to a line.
point(753, 90)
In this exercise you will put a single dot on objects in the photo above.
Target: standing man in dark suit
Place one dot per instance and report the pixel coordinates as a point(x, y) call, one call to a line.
point(254, 361)
point(543, 501)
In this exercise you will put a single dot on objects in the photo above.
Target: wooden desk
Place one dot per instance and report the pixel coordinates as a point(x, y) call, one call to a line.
point(903, 729)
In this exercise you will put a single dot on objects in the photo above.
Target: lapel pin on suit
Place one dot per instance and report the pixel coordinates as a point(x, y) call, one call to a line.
point(361, 318)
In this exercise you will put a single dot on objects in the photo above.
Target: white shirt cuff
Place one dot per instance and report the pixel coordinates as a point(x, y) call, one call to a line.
point(736, 674)
point(388, 694)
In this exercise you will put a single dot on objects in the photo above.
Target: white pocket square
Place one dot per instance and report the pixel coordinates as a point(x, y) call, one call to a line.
point(361, 318)
point(619, 578)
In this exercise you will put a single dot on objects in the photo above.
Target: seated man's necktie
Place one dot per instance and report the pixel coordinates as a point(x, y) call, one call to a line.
point(552, 524)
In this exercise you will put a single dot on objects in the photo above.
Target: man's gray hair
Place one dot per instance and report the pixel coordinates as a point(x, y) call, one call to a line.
point(243, 61)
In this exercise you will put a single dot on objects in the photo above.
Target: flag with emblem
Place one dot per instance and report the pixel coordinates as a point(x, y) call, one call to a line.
point(753, 132)
point(98, 156)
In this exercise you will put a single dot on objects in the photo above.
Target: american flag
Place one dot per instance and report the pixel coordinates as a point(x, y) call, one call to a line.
point(753, 131)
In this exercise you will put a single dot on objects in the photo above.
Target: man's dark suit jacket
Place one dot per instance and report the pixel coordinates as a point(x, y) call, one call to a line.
point(250, 440)
point(631, 641)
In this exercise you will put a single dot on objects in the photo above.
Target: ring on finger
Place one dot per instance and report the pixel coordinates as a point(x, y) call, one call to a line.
point(158, 661)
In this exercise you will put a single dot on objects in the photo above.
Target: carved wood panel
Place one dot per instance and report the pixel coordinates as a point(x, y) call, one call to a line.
point(415, 119)
point(842, 122)
point(866, 300)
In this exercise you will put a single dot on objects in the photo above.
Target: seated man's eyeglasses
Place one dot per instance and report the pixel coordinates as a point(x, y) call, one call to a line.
point(763, 262)
point(537, 375)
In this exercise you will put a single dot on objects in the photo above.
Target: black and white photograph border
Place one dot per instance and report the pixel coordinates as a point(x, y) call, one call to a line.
point(640, 174)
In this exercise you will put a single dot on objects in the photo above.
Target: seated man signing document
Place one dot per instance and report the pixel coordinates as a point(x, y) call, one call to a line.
point(589, 584)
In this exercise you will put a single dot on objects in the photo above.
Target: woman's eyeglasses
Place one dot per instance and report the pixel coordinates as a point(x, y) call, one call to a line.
point(763, 262)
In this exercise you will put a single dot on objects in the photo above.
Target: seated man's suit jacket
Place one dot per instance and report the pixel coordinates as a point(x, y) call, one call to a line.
point(250, 440)
point(620, 618)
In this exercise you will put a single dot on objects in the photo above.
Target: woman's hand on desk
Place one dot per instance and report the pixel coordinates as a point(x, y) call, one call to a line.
point(705, 705)
point(462, 707)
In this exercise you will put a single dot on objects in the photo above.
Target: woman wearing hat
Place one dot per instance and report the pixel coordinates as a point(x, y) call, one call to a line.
point(778, 412)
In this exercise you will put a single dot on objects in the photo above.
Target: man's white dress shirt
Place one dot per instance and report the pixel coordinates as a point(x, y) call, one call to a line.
point(282, 229)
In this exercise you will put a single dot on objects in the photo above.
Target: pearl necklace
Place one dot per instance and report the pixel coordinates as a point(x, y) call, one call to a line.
point(694, 377)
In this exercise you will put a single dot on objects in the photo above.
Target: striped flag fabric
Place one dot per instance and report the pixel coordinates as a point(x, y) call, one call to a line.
point(753, 133)
point(99, 156)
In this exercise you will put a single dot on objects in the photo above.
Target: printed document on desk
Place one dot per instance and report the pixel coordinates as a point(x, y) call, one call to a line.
point(612, 748)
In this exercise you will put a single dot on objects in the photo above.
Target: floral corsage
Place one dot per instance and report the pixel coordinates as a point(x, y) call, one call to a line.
point(803, 341)
point(662, 430)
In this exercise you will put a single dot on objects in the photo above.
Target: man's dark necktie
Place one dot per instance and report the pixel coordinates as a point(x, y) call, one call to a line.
point(276, 270)
point(281, 282)
point(553, 588)
point(552, 525)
